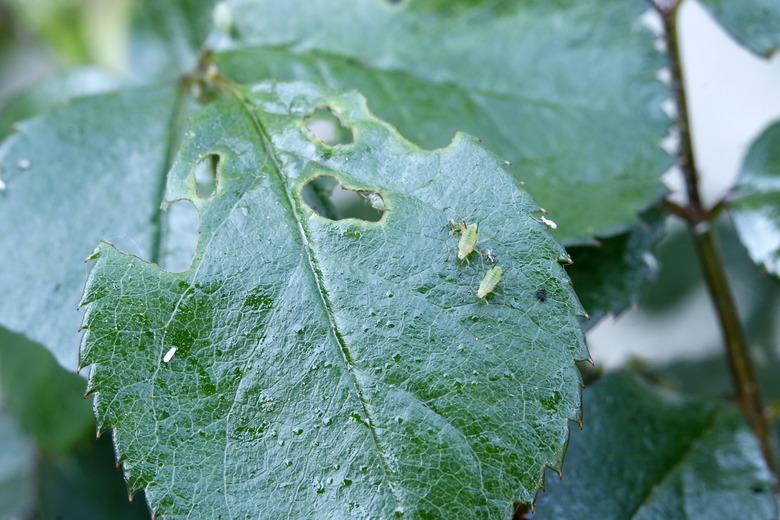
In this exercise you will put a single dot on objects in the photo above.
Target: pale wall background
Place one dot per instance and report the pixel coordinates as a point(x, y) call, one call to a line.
point(733, 96)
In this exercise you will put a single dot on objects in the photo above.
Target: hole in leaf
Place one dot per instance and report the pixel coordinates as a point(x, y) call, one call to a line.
point(205, 174)
point(181, 223)
point(329, 199)
point(326, 127)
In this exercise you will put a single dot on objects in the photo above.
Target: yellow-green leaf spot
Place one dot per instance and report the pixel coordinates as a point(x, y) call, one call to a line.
point(489, 282)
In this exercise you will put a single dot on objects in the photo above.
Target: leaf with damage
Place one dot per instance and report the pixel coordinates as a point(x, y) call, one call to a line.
point(305, 366)
point(566, 91)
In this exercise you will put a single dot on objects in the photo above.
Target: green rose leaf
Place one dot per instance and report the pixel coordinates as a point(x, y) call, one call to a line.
point(610, 277)
point(566, 91)
point(305, 366)
point(648, 453)
point(755, 201)
point(165, 37)
point(753, 23)
point(60, 417)
point(95, 168)
point(39, 98)
point(17, 469)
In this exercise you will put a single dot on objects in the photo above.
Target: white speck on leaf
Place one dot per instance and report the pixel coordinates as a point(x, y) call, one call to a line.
point(23, 164)
point(549, 223)
point(169, 355)
point(2, 185)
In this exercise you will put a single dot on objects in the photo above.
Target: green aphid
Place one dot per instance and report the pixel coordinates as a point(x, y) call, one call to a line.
point(469, 234)
point(489, 282)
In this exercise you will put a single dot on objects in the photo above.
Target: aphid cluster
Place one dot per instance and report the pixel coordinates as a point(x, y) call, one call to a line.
point(467, 244)
point(469, 235)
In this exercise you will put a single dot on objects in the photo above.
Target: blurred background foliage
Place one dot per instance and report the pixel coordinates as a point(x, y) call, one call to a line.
point(50, 51)
point(50, 465)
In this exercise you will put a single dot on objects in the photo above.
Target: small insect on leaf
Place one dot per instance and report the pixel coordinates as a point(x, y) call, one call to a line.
point(490, 256)
point(169, 355)
point(489, 282)
point(376, 201)
point(468, 239)
point(541, 295)
point(549, 223)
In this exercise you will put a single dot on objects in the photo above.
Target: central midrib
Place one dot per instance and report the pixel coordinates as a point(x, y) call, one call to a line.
point(316, 273)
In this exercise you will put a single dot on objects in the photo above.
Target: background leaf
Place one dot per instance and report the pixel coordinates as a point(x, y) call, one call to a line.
point(17, 463)
point(574, 105)
point(50, 464)
point(45, 400)
point(609, 278)
point(91, 170)
point(647, 453)
point(45, 95)
point(335, 367)
point(753, 23)
point(755, 202)
point(165, 37)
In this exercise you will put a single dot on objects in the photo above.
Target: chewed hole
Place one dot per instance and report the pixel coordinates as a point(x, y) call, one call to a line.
point(327, 127)
point(180, 236)
point(329, 199)
point(205, 174)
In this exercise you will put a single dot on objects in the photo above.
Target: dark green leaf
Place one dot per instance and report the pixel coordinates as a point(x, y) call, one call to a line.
point(753, 23)
point(646, 453)
point(91, 170)
point(755, 202)
point(17, 467)
point(44, 96)
point(335, 368)
point(678, 274)
point(45, 400)
point(564, 90)
point(608, 278)
point(85, 485)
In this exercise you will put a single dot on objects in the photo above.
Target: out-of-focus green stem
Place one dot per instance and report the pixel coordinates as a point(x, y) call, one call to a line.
point(700, 224)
